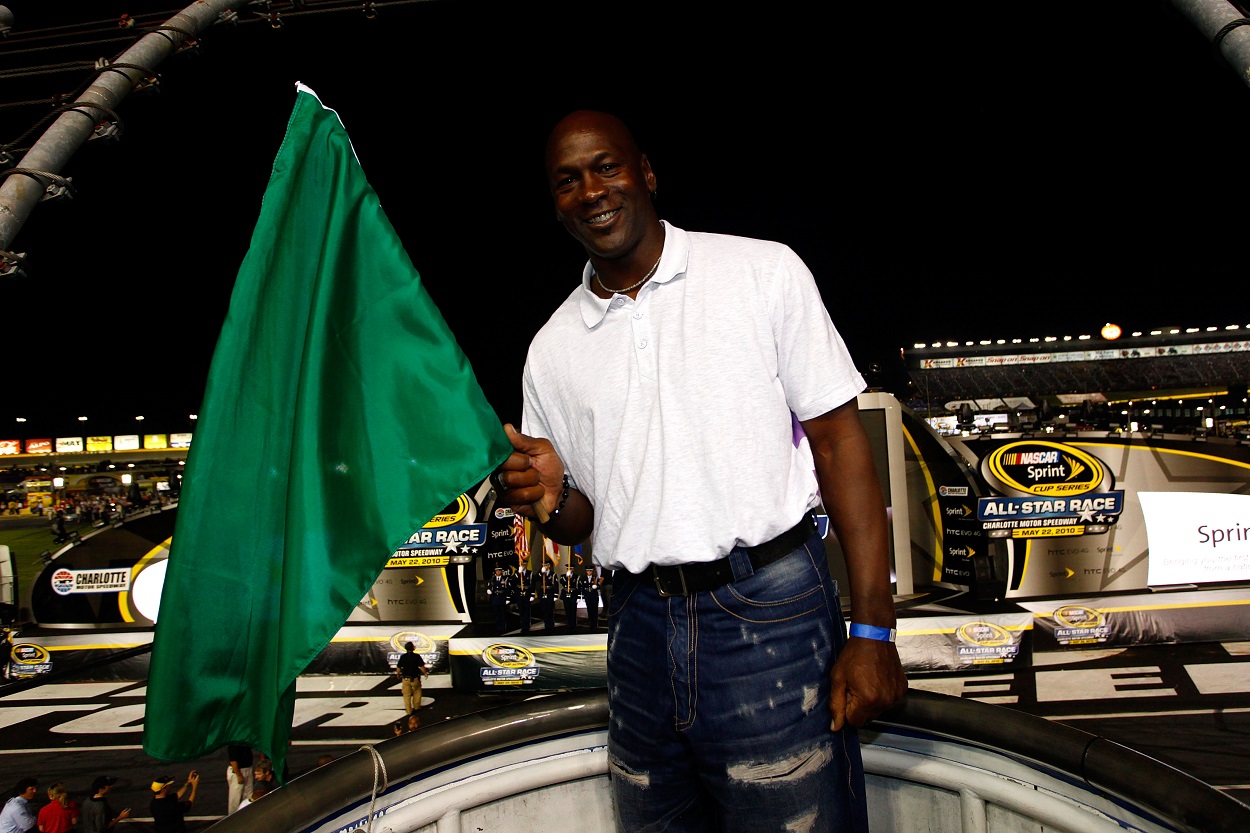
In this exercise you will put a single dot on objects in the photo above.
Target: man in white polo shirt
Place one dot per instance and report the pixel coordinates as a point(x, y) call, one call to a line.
point(690, 404)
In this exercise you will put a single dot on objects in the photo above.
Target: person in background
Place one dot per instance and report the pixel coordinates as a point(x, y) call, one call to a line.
point(60, 814)
point(18, 816)
point(569, 583)
point(589, 590)
point(411, 670)
point(523, 594)
point(238, 775)
point(97, 814)
point(169, 808)
point(547, 587)
point(259, 790)
point(60, 534)
point(263, 771)
point(691, 405)
point(497, 590)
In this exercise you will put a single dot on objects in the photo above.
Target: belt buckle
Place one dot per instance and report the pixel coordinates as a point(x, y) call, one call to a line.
point(659, 583)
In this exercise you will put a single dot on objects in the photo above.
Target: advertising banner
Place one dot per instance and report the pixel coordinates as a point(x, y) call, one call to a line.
point(1197, 538)
point(956, 643)
point(374, 649)
point(1141, 619)
point(550, 663)
point(1089, 512)
point(69, 445)
point(949, 547)
point(432, 576)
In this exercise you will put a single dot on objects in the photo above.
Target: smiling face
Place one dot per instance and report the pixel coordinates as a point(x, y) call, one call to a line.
point(601, 185)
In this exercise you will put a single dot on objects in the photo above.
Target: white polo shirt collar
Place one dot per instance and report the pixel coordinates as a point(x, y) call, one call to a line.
point(673, 262)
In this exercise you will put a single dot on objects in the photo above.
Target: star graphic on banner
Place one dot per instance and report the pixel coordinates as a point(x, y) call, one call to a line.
point(452, 546)
point(1086, 516)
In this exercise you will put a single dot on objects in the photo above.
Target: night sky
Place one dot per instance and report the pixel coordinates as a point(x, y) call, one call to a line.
point(973, 170)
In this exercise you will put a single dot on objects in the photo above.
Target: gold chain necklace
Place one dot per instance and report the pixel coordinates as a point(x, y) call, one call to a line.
point(629, 289)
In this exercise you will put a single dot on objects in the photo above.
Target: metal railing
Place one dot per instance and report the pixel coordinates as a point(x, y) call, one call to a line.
point(985, 759)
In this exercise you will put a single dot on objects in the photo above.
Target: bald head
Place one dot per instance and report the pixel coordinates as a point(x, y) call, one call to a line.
point(605, 126)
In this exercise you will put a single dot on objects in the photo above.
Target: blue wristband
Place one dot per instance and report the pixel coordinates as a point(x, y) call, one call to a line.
point(871, 632)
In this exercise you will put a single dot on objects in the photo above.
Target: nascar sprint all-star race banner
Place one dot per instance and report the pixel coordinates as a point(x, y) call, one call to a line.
point(432, 577)
point(1092, 513)
point(542, 663)
point(1176, 616)
point(956, 643)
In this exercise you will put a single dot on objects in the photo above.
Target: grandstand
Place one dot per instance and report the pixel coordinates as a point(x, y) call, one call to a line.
point(1175, 380)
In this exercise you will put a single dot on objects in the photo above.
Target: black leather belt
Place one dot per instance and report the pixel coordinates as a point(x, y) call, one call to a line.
point(684, 579)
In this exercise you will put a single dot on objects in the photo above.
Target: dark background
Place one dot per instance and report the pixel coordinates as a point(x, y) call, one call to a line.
point(973, 170)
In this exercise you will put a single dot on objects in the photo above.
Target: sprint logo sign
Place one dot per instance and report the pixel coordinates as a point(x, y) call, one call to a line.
point(508, 665)
point(28, 660)
point(1079, 625)
point(983, 643)
point(1047, 489)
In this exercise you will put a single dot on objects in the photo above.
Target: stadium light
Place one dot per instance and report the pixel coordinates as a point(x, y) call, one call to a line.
point(1112, 331)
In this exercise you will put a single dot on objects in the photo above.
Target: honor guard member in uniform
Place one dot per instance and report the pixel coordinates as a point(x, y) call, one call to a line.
point(498, 589)
point(547, 587)
point(589, 587)
point(523, 593)
point(569, 584)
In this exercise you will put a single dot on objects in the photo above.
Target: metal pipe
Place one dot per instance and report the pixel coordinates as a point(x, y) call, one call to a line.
point(19, 192)
point(1211, 17)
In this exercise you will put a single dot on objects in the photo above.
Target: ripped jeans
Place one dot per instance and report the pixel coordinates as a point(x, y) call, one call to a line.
point(720, 704)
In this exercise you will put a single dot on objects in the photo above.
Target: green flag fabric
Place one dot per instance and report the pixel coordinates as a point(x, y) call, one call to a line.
point(340, 415)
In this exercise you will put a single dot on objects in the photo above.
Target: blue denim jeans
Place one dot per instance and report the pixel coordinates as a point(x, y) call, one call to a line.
point(720, 704)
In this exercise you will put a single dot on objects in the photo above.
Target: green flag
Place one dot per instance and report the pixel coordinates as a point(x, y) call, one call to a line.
point(340, 415)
